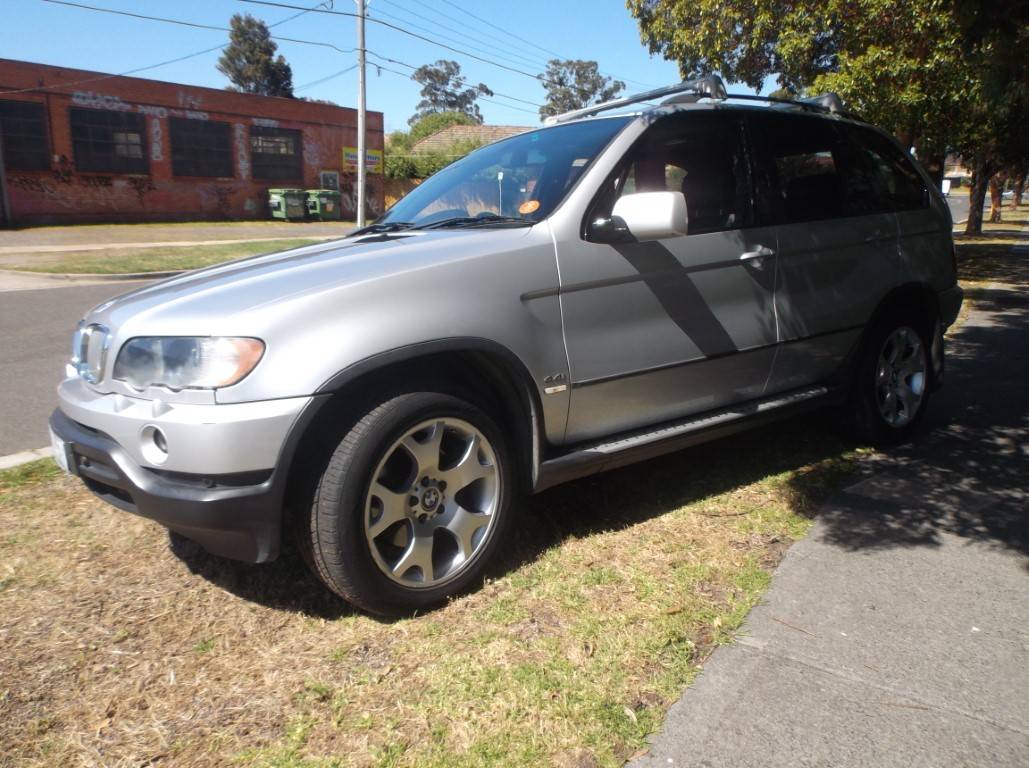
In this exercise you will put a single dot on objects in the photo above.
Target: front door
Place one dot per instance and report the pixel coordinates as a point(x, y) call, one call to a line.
point(660, 330)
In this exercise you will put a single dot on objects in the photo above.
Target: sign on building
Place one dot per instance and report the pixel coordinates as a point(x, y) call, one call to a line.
point(373, 159)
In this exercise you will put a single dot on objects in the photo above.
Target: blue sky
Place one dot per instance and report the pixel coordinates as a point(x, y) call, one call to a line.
point(601, 30)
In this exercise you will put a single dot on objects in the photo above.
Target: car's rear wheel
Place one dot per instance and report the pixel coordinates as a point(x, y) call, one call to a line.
point(412, 505)
point(894, 375)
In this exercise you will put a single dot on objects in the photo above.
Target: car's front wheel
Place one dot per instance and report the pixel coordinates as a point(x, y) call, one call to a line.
point(413, 504)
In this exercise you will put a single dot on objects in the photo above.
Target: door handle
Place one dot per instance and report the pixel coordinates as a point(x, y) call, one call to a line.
point(760, 252)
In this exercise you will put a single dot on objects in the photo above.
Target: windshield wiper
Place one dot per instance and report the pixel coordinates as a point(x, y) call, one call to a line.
point(386, 226)
point(474, 221)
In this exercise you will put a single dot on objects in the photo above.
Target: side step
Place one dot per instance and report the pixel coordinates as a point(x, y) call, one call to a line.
point(640, 445)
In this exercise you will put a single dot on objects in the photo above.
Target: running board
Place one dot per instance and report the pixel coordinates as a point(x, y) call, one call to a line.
point(641, 445)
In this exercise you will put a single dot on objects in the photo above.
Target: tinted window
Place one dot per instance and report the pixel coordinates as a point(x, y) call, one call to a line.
point(802, 166)
point(200, 148)
point(106, 141)
point(24, 134)
point(897, 180)
point(275, 153)
point(700, 155)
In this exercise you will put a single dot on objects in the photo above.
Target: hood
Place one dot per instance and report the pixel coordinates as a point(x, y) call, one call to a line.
point(206, 301)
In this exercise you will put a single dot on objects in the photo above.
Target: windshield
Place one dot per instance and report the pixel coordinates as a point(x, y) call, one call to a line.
point(521, 179)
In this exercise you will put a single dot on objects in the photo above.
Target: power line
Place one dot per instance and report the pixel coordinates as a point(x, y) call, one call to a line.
point(408, 32)
point(483, 98)
point(522, 39)
point(462, 80)
point(198, 25)
point(510, 56)
point(194, 25)
point(325, 79)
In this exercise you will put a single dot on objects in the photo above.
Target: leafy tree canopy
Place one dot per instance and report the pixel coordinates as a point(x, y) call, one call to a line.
point(249, 60)
point(574, 84)
point(445, 90)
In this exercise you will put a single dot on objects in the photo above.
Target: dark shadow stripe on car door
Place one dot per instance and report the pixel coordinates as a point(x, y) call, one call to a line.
point(679, 296)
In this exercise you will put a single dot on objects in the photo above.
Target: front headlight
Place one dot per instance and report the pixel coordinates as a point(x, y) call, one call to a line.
point(182, 362)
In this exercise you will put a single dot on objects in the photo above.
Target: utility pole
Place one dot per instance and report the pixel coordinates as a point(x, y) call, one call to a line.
point(362, 150)
point(5, 205)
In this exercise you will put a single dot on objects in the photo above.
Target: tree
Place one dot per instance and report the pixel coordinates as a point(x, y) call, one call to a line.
point(574, 84)
point(445, 90)
point(249, 60)
point(921, 68)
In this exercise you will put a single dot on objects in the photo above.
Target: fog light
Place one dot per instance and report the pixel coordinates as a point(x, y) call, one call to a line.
point(153, 444)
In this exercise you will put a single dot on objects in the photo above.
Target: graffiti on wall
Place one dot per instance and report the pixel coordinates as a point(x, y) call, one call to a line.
point(99, 101)
point(242, 151)
point(141, 185)
point(95, 181)
point(156, 140)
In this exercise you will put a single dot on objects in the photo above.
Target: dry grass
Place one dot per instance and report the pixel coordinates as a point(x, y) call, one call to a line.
point(121, 650)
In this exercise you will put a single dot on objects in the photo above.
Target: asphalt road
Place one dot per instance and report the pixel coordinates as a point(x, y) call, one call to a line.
point(958, 203)
point(35, 343)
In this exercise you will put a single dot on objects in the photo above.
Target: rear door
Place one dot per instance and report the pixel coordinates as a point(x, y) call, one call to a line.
point(658, 330)
point(837, 237)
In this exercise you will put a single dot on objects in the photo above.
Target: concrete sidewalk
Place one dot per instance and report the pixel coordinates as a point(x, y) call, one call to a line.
point(897, 633)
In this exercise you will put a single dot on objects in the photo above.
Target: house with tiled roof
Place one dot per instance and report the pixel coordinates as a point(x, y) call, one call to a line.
point(466, 134)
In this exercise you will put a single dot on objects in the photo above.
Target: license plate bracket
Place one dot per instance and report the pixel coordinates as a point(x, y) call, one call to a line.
point(63, 454)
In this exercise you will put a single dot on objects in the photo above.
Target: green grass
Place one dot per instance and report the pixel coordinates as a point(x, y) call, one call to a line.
point(27, 474)
point(161, 259)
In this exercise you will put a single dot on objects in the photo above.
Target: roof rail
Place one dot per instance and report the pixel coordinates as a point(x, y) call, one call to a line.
point(825, 103)
point(828, 102)
point(710, 86)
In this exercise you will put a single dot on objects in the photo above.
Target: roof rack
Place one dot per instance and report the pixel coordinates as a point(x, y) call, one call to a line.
point(710, 86)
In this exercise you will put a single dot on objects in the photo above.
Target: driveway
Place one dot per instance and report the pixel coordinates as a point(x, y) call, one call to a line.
point(897, 633)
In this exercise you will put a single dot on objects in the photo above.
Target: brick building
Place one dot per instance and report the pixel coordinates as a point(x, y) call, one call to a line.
point(83, 146)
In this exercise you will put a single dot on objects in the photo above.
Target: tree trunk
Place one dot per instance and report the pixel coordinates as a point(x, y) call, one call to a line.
point(996, 196)
point(1017, 191)
point(981, 173)
point(906, 138)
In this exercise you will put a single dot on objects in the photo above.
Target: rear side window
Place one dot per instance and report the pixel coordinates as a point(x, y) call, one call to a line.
point(897, 181)
point(701, 155)
point(802, 169)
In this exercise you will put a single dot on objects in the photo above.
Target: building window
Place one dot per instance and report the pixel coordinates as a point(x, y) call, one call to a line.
point(329, 180)
point(24, 136)
point(200, 148)
point(275, 153)
point(108, 142)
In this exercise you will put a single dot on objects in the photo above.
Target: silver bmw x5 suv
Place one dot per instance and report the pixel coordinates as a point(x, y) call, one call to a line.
point(620, 283)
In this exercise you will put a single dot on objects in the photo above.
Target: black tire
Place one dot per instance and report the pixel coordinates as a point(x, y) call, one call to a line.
point(335, 540)
point(867, 420)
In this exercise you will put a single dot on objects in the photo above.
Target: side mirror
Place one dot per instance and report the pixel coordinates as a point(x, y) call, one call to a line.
point(652, 215)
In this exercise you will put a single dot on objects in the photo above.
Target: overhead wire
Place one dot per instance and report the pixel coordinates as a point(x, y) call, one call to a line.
point(148, 67)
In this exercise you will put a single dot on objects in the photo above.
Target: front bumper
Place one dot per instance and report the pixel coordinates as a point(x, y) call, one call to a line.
point(202, 439)
point(238, 515)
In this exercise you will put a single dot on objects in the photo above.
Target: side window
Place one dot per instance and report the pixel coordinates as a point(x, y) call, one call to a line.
point(802, 165)
point(700, 155)
point(24, 130)
point(108, 142)
point(900, 183)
